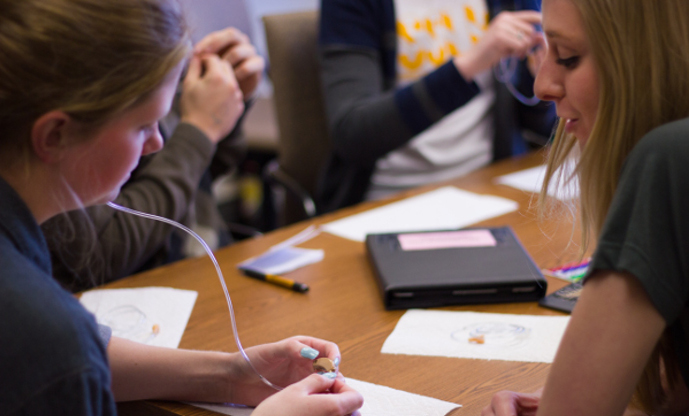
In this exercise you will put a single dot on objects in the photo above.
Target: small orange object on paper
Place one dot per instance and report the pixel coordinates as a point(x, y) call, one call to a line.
point(478, 339)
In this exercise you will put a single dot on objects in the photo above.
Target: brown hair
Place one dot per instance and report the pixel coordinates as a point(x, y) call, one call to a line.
point(88, 58)
point(641, 49)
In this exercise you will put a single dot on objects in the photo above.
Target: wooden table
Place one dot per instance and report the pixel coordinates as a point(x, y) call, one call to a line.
point(344, 305)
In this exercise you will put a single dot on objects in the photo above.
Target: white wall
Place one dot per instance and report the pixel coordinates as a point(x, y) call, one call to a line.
point(205, 16)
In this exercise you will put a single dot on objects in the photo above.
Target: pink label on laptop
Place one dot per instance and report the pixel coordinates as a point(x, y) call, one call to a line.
point(446, 239)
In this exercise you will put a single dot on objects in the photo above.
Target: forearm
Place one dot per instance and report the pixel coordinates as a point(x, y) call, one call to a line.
point(166, 187)
point(613, 331)
point(141, 372)
point(231, 150)
point(366, 120)
point(100, 244)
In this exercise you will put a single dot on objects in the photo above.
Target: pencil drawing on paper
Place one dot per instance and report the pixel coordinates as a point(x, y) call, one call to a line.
point(128, 321)
point(492, 334)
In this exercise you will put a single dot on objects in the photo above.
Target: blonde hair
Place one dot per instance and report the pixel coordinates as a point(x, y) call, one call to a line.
point(641, 50)
point(88, 58)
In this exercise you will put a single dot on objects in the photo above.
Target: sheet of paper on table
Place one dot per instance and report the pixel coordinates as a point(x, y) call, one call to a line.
point(445, 208)
point(284, 257)
point(150, 315)
point(488, 336)
point(531, 180)
point(378, 401)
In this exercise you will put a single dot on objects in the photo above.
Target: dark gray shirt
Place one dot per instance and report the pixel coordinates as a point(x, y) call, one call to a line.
point(647, 228)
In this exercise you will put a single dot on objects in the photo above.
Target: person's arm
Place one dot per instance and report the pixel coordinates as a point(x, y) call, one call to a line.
point(611, 336)
point(367, 119)
point(211, 103)
point(234, 47)
point(601, 357)
point(118, 244)
point(143, 372)
point(230, 151)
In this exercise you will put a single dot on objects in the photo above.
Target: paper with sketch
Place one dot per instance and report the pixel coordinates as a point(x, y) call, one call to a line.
point(487, 336)
point(378, 401)
point(441, 209)
point(531, 180)
point(150, 315)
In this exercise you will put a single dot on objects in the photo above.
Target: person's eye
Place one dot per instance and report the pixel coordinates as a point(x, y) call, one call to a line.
point(568, 63)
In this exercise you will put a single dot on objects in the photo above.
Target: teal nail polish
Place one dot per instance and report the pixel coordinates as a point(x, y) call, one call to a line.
point(330, 376)
point(336, 361)
point(310, 353)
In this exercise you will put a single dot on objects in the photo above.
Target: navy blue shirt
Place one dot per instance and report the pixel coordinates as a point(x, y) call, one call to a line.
point(52, 357)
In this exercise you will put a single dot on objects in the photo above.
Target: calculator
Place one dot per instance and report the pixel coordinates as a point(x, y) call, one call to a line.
point(563, 299)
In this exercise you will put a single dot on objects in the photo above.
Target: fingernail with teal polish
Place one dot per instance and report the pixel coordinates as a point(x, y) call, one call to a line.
point(336, 361)
point(330, 376)
point(310, 353)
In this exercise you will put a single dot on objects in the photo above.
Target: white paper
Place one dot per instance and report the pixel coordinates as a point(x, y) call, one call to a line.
point(531, 180)
point(151, 315)
point(284, 257)
point(441, 209)
point(283, 260)
point(378, 401)
point(487, 336)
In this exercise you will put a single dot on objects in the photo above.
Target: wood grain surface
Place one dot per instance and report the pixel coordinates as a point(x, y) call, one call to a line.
point(344, 305)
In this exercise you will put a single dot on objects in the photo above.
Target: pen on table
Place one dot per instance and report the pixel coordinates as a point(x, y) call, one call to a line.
point(277, 280)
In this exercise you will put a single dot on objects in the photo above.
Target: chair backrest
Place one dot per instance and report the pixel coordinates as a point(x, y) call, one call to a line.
point(303, 146)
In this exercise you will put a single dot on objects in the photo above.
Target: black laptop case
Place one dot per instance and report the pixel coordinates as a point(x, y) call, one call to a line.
point(420, 278)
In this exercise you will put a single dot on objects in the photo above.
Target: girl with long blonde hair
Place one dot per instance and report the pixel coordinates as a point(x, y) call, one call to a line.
point(618, 73)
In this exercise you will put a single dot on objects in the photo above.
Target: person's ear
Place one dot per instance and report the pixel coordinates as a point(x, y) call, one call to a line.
point(50, 135)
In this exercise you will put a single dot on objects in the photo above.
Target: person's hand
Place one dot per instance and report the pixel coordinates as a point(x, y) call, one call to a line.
point(509, 403)
point(282, 363)
point(509, 34)
point(211, 98)
point(536, 57)
point(316, 395)
point(233, 46)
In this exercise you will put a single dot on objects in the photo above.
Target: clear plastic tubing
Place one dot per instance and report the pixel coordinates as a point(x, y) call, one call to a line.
point(504, 72)
point(217, 269)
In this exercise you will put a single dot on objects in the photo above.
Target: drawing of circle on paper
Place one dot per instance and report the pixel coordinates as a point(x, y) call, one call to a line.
point(492, 334)
point(130, 322)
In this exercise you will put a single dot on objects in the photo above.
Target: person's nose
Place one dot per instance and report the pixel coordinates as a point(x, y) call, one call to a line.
point(548, 85)
point(153, 143)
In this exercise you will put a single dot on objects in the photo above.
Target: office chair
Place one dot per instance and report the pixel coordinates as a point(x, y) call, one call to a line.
point(303, 145)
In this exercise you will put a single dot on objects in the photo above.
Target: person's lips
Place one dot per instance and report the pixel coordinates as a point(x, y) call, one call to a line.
point(571, 124)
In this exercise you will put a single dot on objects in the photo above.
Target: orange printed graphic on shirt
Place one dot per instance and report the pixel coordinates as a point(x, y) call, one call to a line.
point(439, 59)
point(412, 63)
point(434, 39)
point(446, 21)
point(453, 49)
point(402, 32)
point(429, 27)
point(471, 17)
